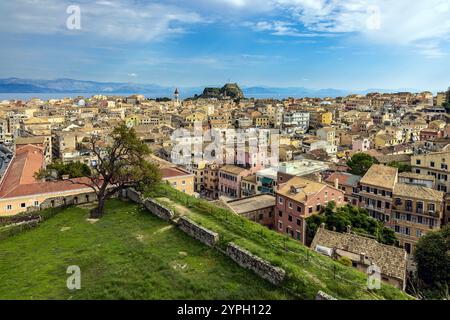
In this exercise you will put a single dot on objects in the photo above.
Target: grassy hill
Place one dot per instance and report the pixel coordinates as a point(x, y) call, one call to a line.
point(128, 254)
point(307, 272)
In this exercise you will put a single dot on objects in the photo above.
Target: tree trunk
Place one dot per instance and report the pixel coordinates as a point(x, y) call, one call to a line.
point(98, 212)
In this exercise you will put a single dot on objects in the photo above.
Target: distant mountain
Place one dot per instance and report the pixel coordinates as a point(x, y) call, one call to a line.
point(71, 86)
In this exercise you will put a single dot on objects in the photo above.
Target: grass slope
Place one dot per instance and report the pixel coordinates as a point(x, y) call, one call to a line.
point(128, 254)
point(307, 271)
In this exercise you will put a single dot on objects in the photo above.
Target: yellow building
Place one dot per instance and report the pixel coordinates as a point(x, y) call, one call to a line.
point(179, 179)
point(262, 121)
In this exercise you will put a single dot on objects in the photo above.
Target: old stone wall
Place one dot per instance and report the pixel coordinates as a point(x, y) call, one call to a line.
point(261, 267)
point(158, 209)
point(198, 232)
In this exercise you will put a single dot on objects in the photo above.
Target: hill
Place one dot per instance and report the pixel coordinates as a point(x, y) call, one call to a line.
point(128, 254)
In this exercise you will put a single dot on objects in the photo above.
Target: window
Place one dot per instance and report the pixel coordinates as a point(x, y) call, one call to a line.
point(298, 235)
point(299, 209)
point(418, 162)
point(23, 205)
point(9, 207)
point(36, 203)
point(290, 218)
point(261, 216)
point(280, 200)
point(432, 164)
point(397, 229)
point(310, 209)
point(290, 205)
point(431, 207)
point(318, 207)
point(299, 222)
point(280, 225)
point(280, 213)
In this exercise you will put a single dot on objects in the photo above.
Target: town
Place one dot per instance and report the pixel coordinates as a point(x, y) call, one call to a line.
point(381, 159)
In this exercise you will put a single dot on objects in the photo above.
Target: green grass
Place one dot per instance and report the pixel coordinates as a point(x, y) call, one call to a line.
point(128, 254)
point(307, 271)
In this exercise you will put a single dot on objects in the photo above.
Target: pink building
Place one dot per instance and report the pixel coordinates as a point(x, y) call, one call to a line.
point(230, 180)
point(299, 199)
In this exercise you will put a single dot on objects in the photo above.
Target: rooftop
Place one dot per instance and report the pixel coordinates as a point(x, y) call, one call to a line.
point(250, 204)
point(299, 189)
point(380, 176)
point(344, 178)
point(391, 260)
point(417, 192)
point(232, 169)
point(171, 172)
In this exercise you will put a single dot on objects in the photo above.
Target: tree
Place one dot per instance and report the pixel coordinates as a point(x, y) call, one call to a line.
point(432, 256)
point(71, 169)
point(121, 164)
point(360, 163)
point(402, 167)
point(339, 218)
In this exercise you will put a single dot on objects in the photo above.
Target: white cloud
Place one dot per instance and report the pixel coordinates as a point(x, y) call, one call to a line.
point(393, 22)
point(122, 20)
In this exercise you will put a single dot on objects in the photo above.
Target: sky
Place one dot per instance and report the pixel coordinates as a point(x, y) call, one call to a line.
point(318, 44)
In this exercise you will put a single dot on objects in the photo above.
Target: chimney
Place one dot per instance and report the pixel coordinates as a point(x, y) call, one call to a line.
point(336, 183)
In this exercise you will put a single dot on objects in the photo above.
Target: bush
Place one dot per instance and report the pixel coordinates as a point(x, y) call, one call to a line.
point(345, 261)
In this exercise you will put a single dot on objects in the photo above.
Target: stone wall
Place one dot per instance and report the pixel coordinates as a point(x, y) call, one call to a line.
point(200, 233)
point(134, 196)
point(158, 210)
point(323, 296)
point(81, 198)
point(261, 267)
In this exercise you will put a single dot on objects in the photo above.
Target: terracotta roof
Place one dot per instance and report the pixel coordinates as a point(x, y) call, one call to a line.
point(346, 179)
point(27, 160)
point(303, 188)
point(380, 176)
point(417, 192)
point(232, 169)
point(173, 172)
point(391, 260)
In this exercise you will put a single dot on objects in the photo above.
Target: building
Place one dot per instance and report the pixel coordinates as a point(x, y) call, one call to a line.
point(410, 209)
point(364, 253)
point(349, 183)
point(249, 186)
point(416, 211)
point(20, 190)
point(178, 178)
point(376, 190)
point(298, 199)
point(436, 165)
point(259, 208)
point(327, 134)
point(230, 178)
point(211, 180)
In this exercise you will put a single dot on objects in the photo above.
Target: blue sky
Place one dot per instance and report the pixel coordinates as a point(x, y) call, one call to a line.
point(352, 44)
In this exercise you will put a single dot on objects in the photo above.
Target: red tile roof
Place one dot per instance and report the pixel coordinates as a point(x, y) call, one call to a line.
point(173, 172)
point(19, 178)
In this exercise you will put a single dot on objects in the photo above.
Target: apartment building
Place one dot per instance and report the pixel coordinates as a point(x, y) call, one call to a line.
point(211, 180)
point(376, 191)
point(230, 178)
point(436, 165)
point(416, 211)
point(299, 198)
